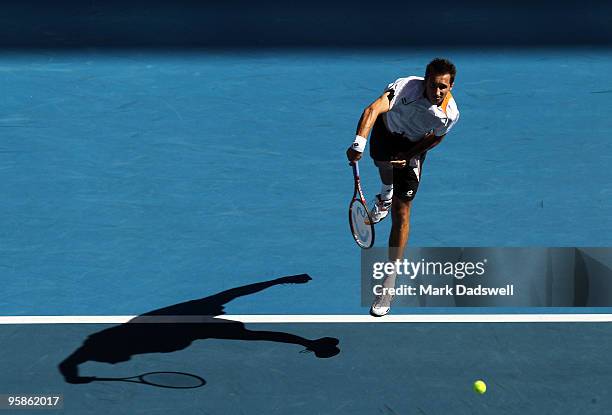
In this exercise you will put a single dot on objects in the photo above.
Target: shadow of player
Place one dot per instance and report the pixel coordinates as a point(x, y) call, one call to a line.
point(174, 328)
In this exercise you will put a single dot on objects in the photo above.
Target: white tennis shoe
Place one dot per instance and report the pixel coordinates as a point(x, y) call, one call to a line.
point(380, 210)
point(381, 305)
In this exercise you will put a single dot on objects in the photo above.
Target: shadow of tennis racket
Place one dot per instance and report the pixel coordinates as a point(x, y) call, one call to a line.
point(171, 380)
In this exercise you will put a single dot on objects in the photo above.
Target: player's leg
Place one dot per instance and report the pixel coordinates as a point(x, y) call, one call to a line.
point(398, 239)
point(400, 228)
point(383, 201)
point(382, 149)
point(406, 182)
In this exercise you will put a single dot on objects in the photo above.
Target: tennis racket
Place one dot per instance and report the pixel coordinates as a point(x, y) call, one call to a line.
point(360, 221)
point(174, 380)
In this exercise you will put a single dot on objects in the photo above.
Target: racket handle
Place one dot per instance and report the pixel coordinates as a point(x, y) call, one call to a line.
point(355, 166)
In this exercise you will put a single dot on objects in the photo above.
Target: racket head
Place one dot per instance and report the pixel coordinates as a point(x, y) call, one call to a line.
point(171, 380)
point(175, 380)
point(361, 224)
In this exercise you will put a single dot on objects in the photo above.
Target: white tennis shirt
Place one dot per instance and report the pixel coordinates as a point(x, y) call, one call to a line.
point(413, 116)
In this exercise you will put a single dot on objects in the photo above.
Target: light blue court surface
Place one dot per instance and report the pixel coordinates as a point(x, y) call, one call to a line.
point(135, 180)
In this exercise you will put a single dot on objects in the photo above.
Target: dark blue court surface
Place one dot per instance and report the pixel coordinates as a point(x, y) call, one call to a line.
point(381, 369)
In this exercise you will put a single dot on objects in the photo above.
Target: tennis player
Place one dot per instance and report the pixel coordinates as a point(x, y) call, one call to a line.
point(411, 117)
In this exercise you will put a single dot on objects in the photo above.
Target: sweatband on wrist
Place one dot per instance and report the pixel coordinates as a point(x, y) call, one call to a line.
point(359, 143)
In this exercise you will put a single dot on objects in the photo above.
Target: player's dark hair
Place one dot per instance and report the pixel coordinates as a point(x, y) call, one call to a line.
point(441, 66)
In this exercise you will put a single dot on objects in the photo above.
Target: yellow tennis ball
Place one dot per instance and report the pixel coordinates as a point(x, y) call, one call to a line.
point(480, 387)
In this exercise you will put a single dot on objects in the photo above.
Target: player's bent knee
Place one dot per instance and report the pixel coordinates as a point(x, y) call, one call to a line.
point(401, 208)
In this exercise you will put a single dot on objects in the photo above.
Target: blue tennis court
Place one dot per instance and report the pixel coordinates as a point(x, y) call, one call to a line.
point(393, 368)
point(194, 183)
point(137, 180)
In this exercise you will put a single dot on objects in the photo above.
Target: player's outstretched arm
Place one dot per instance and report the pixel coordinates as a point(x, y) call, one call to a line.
point(366, 122)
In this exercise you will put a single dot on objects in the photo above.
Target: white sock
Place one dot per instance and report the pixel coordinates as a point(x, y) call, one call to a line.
point(386, 191)
point(388, 282)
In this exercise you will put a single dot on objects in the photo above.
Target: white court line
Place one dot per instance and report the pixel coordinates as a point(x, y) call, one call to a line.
point(422, 318)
